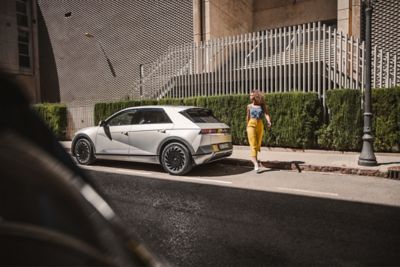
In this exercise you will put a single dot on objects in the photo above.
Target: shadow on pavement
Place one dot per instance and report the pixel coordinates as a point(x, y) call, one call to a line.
point(210, 170)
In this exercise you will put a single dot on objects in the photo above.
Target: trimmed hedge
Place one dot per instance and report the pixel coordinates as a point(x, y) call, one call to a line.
point(55, 115)
point(297, 118)
point(386, 120)
point(345, 128)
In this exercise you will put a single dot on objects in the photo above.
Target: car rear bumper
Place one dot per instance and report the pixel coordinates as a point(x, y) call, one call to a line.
point(210, 157)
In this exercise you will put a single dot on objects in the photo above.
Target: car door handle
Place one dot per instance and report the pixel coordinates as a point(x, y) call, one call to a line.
point(125, 133)
point(162, 131)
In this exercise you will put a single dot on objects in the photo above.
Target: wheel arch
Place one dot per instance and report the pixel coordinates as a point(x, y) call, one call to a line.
point(173, 139)
point(80, 136)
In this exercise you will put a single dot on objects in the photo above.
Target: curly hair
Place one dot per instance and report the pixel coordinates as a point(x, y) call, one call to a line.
point(258, 99)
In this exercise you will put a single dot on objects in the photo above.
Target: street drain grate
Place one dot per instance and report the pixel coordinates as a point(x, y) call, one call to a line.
point(394, 172)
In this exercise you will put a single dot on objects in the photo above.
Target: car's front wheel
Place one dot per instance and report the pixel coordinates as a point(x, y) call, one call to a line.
point(176, 159)
point(83, 151)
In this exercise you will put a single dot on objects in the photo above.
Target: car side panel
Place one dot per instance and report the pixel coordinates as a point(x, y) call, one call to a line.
point(119, 143)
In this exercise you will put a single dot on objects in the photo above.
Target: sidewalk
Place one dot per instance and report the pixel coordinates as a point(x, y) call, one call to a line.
point(318, 160)
point(313, 160)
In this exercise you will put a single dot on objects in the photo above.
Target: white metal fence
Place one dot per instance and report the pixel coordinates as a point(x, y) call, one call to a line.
point(307, 58)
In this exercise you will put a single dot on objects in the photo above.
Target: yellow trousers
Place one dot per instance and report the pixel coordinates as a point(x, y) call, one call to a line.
point(255, 132)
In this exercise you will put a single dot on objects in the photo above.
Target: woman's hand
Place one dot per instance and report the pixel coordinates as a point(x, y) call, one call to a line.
point(269, 124)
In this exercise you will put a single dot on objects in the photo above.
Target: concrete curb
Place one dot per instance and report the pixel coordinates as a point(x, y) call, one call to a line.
point(296, 166)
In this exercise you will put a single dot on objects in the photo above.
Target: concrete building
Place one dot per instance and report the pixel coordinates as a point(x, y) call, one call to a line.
point(84, 51)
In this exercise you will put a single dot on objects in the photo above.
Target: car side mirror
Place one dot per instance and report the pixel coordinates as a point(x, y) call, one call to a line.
point(102, 123)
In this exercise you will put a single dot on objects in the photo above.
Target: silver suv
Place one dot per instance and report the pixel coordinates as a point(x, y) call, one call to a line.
point(177, 137)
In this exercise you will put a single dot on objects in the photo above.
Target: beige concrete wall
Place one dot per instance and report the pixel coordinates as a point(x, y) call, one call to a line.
point(349, 17)
point(228, 17)
point(270, 14)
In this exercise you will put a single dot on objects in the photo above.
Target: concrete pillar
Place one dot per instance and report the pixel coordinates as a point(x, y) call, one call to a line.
point(349, 17)
point(344, 16)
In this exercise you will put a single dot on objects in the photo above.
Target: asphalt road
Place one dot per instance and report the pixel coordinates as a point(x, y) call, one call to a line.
point(196, 224)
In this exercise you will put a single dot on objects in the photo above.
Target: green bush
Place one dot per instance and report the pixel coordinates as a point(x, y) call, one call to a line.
point(386, 120)
point(296, 116)
point(344, 130)
point(55, 116)
point(295, 119)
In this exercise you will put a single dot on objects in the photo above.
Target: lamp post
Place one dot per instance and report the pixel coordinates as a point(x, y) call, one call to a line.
point(89, 35)
point(367, 156)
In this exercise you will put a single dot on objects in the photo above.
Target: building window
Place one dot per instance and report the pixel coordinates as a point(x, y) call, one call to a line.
point(24, 33)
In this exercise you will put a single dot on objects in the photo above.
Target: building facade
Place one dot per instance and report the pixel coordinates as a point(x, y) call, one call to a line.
point(19, 57)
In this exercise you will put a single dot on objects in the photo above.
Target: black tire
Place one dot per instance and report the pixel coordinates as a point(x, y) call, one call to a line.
point(176, 159)
point(83, 151)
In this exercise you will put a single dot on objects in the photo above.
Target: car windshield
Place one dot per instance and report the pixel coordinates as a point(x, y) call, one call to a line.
point(200, 115)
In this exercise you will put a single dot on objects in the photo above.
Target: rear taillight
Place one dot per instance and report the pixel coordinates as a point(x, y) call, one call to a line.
point(214, 131)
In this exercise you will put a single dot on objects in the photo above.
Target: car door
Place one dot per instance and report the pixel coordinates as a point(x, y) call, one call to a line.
point(113, 136)
point(147, 134)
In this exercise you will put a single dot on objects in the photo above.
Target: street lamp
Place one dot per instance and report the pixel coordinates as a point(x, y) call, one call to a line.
point(367, 156)
point(89, 35)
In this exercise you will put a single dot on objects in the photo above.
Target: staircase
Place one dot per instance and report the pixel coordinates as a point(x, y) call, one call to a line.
point(306, 58)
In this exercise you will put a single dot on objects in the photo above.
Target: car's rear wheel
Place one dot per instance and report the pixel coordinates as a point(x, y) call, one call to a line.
point(176, 159)
point(83, 151)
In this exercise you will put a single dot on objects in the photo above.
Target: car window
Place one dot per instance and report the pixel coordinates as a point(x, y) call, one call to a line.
point(200, 115)
point(126, 118)
point(151, 116)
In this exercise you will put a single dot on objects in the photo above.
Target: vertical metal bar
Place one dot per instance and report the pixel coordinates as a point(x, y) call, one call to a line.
point(324, 66)
point(314, 57)
point(242, 64)
point(345, 72)
point(329, 58)
point(259, 43)
point(262, 61)
point(280, 58)
point(375, 74)
point(395, 70)
point(229, 60)
point(212, 69)
point(295, 86)
point(254, 60)
point(196, 80)
point(246, 61)
point(299, 58)
point(380, 68)
point(363, 67)
point(335, 36)
point(284, 61)
point(290, 78)
point(276, 59)
point(351, 62)
point(387, 70)
point(309, 88)
point(357, 85)
point(319, 59)
point(341, 60)
point(234, 58)
point(304, 57)
point(192, 69)
point(223, 65)
point(267, 56)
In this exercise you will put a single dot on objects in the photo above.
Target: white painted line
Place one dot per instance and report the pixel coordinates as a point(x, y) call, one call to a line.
point(206, 180)
point(308, 191)
point(115, 170)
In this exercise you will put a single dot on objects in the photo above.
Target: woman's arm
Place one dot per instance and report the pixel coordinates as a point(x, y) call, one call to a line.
point(267, 116)
point(247, 114)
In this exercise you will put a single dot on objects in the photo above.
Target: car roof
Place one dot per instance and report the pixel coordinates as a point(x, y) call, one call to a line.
point(166, 107)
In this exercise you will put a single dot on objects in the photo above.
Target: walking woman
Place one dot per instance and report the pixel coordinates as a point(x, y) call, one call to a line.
point(255, 127)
